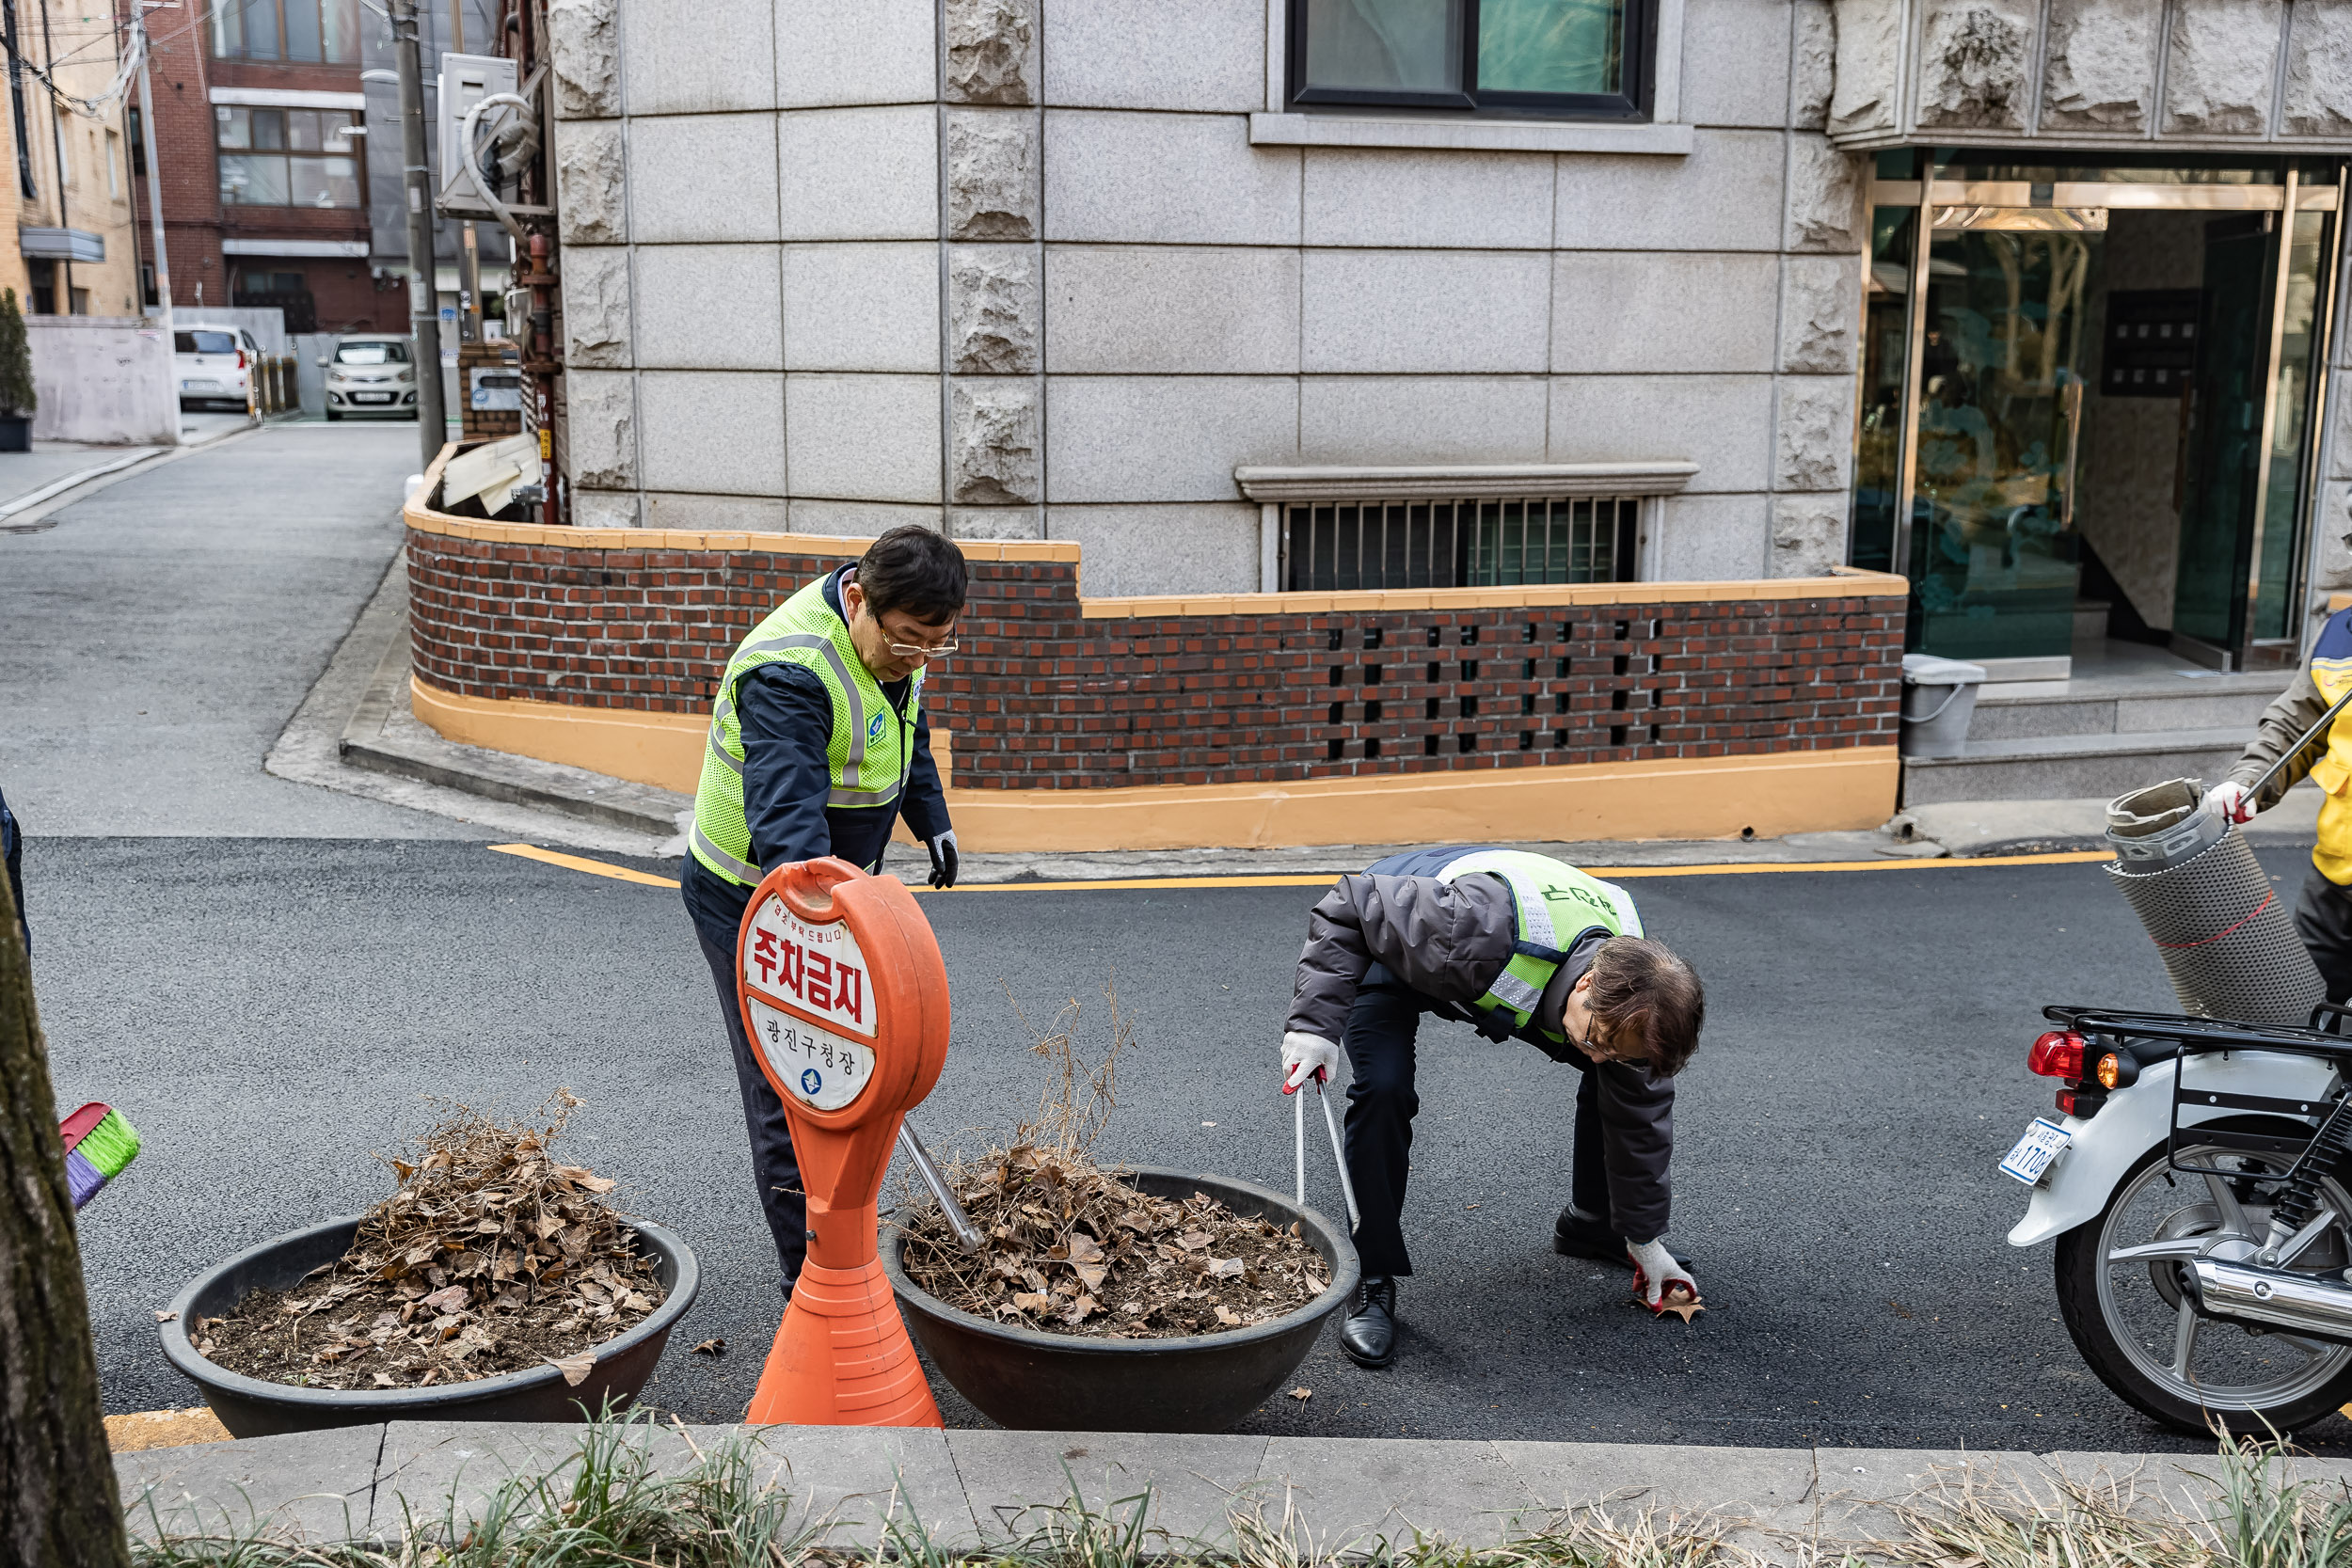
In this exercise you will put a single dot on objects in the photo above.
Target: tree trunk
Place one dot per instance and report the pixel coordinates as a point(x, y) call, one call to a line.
point(58, 1503)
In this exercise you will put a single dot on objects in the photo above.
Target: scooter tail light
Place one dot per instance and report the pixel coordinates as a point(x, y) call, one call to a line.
point(2056, 1055)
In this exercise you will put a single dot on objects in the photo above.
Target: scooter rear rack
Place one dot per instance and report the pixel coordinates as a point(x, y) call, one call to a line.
point(2159, 1036)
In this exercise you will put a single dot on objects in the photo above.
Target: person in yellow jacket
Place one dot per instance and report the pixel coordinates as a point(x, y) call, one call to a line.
point(818, 745)
point(2323, 914)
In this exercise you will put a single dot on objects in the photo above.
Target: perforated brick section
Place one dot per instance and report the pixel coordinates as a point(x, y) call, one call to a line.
point(1043, 698)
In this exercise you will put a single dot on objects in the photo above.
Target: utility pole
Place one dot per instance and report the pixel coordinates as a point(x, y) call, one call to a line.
point(64, 302)
point(424, 307)
point(154, 186)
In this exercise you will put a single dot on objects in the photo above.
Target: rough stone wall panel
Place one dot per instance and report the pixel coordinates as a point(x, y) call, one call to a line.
point(596, 291)
point(1814, 64)
point(2218, 69)
point(602, 428)
point(993, 309)
point(1808, 536)
point(1826, 190)
point(2101, 72)
point(992, 52)
point(1818, 315)
point(1868, 76)
point(588, 176)
point(1045, 699)
point(1816, 434)
point(993, 454)
point(992, 175)
point(1975, 57)
point(585, 38)
point(2319, 70)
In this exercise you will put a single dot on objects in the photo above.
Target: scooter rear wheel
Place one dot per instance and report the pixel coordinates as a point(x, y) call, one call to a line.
point(2138, 1328)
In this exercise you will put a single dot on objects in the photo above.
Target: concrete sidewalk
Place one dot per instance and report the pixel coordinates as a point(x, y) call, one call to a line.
point(972, 1486)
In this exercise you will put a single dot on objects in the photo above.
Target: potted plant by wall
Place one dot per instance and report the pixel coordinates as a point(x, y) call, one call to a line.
point(1124, 1298)
point(17, 398)
point(494, 1284)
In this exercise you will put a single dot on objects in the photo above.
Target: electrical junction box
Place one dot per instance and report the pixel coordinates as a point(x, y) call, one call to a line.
point(465, 80)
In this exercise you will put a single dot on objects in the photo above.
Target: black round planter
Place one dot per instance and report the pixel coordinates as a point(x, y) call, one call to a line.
point(251, 1407)
point(1020, 1378)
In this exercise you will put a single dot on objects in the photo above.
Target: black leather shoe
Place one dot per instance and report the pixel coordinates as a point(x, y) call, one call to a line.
point(1575, 1237)
point(1369, 1336)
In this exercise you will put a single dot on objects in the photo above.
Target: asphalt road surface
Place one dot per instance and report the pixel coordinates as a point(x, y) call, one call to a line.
point(269, 1013)
point(274, 981)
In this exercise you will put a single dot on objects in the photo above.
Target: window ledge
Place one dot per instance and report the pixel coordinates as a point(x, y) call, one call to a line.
point(1491, 135)
point(1464, 482)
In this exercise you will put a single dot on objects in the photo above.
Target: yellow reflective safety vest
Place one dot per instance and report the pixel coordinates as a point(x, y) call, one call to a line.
point(2331, 672)
point(1553, 905)
point(868, 753)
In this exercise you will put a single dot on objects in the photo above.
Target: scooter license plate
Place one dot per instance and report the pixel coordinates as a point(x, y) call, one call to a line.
point(2034, 1153)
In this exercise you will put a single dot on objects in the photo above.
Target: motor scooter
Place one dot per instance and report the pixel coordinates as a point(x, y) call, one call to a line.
point(2197, 1179)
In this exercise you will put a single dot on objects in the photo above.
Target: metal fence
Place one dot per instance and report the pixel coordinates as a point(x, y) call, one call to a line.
point(1459, 543)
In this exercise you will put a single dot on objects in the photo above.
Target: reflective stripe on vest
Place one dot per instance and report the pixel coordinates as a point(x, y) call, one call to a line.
point(1548, 898)
point(866, 756)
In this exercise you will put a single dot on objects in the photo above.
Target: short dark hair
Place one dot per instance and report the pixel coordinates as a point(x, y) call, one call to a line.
point(1642, 991)
point(915, 569)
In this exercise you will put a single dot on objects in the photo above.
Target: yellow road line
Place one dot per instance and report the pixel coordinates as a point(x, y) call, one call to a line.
point(594, 868)
point(1620, 872)
point(2070, 857)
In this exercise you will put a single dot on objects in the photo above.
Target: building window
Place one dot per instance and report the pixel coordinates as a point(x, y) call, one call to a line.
point(1330, 548)
point(114, 166)
point(1552, 58)
point(138, 146)
point(65, 152)
point(312, 31)
point(286, 158)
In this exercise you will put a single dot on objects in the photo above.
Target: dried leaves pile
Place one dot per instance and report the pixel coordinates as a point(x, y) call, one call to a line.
point(1074, 1248)
point(492, 1257)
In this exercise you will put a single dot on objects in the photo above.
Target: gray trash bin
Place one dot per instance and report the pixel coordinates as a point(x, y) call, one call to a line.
point(1939, 697)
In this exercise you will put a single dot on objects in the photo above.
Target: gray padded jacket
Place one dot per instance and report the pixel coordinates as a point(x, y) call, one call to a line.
point(1445, 942)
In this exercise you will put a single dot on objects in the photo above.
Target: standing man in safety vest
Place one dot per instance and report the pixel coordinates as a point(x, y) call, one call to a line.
point(1525, 948)
point(2323, 913)
point(818, 745)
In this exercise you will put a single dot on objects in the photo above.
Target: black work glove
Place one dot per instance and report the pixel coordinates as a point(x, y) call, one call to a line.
point(943, 851)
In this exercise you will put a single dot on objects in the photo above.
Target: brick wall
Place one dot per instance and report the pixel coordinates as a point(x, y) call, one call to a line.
point(1045, 697)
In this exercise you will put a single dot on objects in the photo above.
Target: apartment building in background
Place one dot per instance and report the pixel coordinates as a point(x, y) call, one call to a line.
point(68, 195)
point(261, 130)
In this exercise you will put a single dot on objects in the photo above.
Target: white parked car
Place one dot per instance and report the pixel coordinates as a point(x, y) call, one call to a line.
point(214, 364)
point(371, 373)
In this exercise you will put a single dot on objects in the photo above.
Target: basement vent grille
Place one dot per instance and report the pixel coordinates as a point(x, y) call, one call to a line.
point(1347, 546)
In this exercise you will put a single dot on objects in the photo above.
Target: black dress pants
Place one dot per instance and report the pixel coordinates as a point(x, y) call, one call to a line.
point(1381, 1104)
point(2323, 918)
point(775, 1169)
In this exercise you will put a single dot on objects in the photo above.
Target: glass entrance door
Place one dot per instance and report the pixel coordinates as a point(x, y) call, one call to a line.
point(1995, 556)
point(2088, 404)
point(2224, 439)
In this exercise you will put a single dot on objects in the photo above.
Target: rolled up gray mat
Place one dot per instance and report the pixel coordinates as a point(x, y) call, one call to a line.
point(2226, 936)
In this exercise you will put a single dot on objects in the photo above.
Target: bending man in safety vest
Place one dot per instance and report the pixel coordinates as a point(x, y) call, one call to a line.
point(2323, 914)
point(817, 744)
point(1525, 948)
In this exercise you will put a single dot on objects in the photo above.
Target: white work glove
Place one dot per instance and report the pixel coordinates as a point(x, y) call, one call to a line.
point(1306, 1056)
point(1656, 1269)
point(2229, 801)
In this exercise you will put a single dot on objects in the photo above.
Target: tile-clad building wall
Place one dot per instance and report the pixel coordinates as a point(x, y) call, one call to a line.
point(1036, 279)
point(1046, 696)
